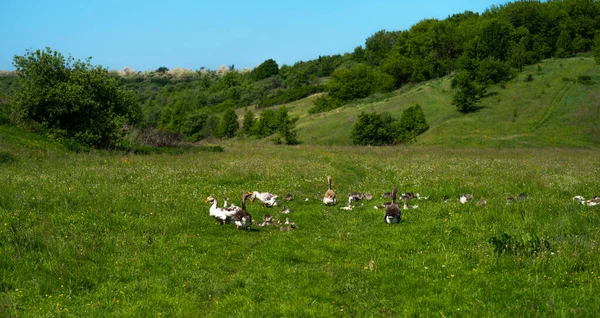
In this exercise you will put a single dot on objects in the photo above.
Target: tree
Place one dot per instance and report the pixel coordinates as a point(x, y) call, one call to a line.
point(73, 99)
point(596, 47)
point(194, 125)
point(285, 126)
point(358, 81)
point(412, 123)
point(266, 124)
point(469, 92)
point(162, 69)
point(248, 123)
point(374, 129)
point(229, 124)
point(267, 69)
point(563, 44)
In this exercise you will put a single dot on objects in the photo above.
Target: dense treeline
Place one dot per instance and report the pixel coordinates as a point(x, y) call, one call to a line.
point(477, 49)
point(481, 48)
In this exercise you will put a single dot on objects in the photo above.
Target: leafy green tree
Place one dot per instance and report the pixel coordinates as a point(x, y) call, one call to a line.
point(596, 47)
point(358, 81)
point(211, 128)
point(266, 124)
point(195, 124)
point(563, 44)
point(74, 99)
point(267, 69)
point(412, 123)
point(162, 69)
point(378, 45)
point(495, 39)
point(248, 123)
point(229, 124)
point(399, 67)
point(469, 92)
point(374, 129)
point(285, 126)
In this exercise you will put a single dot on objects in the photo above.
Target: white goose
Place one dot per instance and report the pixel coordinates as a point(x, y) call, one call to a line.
point(267, 199)
point(221, 215)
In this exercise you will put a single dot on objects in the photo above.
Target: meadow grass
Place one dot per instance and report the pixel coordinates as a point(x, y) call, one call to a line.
point(130, 235)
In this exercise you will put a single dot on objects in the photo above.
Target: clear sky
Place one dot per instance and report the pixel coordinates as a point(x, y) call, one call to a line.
point(148, 34)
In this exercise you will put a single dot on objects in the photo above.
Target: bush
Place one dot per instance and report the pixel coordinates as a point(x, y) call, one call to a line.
point(469, 92)
point(412, 123)
point(359, 81)
point(229, 124)
point(73, 99)
point(374, 129)
point(324, 103)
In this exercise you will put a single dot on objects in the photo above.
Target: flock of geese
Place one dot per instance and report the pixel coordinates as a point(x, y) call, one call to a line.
point(241, 217)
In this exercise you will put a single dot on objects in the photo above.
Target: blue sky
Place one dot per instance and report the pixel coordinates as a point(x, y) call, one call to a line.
point(179, 33)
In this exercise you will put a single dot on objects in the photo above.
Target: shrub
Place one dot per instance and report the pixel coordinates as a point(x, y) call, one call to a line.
point(412, 123)
point(324, 103)
point(374, 129)
point(229, 124)
point(73, 99)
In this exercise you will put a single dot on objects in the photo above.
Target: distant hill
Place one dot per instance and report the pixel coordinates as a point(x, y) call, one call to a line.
point(552, 110)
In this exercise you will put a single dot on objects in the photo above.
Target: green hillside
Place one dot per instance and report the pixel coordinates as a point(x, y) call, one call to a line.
point(552, 110)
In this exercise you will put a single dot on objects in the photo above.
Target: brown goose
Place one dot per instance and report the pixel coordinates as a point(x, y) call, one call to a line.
point(392, 211)
point(242, 218)
point(329, 198)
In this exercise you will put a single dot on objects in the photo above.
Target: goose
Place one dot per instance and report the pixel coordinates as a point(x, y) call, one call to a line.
point(481, 202)
point(267, 199)
point(446, 198)
point(347, 207)
point(387, 195)
point(392, 211)
point(464, 198)
point(267, 220)
point(242, 218)
point(221, 215)
point(522, 196)
point(419, 197)
point(368, 196)
point(510, 200)
point(579, 199)
point(230, 206)
point(356, 196)
point(329, 198)
point(285, 210)
point(593, 201)
point(288, 197)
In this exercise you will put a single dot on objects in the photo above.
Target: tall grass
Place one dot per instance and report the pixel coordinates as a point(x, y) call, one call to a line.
point(110, 235)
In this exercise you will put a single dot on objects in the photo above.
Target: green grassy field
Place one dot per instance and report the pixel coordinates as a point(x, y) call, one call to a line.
point(127, 235)
point(553, 110)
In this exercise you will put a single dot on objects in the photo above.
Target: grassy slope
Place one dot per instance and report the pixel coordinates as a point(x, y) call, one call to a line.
point(547, 112)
